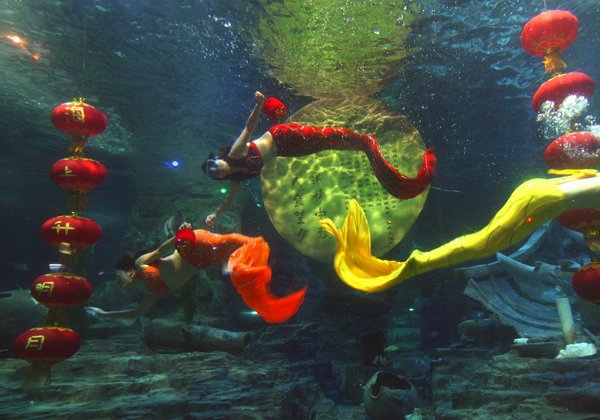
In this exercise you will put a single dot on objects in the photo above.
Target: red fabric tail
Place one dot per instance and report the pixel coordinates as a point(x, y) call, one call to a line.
point(396, 183)
point(302, 140)
point(251, 276)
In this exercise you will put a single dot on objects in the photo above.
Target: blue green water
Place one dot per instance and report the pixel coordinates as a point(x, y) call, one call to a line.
point(176, 80)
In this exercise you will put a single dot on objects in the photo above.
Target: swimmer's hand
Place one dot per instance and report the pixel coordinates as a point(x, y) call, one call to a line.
point(101, 313)
point(185, 225)
point(210, 219)
point(95, 312)
point(260, 98)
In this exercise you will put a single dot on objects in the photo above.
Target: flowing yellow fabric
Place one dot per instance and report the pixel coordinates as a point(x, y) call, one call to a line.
point(533, 203)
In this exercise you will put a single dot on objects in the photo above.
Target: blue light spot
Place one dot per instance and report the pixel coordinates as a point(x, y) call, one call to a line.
point(172, 164)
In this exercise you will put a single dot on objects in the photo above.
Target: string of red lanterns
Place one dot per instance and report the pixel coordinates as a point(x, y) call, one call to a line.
point(547, 35)
point(53, 342)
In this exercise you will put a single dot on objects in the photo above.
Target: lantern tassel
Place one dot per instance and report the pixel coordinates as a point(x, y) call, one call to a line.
point(77, 201)
point(77, 146)
point(39, 375)
point(553, 63)
point(68, 255)
point(54, 317)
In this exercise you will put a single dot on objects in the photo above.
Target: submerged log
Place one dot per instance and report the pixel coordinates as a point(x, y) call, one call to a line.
point(161, 334)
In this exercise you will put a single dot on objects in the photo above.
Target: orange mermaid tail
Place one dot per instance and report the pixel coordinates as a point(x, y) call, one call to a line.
point(251, 275)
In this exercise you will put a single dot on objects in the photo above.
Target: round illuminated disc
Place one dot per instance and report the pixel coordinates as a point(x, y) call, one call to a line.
point(298, 192)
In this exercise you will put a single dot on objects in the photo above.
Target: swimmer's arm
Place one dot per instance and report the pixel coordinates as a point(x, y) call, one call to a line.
point(162, 251)
point(135, 313)
point(240, 146)
point(233, 187)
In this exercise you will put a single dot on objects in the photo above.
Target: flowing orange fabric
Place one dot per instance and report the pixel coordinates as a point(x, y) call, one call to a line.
point(251, 276)
point(248, 267)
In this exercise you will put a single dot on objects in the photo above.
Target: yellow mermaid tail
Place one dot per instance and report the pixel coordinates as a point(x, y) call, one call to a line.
point(533, 203)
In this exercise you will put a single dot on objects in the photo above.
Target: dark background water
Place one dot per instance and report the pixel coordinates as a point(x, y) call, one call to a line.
point(176, 79)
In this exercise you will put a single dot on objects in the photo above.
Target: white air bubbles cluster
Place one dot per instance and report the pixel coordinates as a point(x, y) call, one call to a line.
point(567, 118)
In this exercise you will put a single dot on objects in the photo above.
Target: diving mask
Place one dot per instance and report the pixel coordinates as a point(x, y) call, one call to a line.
point(211, 166)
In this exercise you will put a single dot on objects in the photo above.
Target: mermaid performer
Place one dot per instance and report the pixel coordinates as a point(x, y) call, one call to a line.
point(246, 158)
point(166, 269)
point(533, 203)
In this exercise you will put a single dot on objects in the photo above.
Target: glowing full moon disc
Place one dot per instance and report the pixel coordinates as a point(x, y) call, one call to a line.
point(298, 192)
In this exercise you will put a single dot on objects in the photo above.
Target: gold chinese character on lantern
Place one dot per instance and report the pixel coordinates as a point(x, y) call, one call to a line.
point(77, 113)
point(35, 342)
point(58, 227)
point(45, 287)
point(68, 172)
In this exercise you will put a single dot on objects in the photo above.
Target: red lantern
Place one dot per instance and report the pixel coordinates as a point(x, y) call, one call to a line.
point(77, 231)
point(561, 86)
point(61, 290)
point(586, 221)
point(79, 119)
point(47, 344)
point(586, 282)
point(78, 173)
point(574, 151)
point(548, 34)
point(274, 108)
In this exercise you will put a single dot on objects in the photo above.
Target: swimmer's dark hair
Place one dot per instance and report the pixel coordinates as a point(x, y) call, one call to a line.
point(127, 261)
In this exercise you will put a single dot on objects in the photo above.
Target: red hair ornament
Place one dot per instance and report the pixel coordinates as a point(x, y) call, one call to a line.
point(274, 108)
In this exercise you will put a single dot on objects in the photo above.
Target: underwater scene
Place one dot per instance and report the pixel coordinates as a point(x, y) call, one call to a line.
point(294, 209)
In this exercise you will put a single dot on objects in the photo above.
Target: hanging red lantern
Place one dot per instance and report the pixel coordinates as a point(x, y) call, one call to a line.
point(548, 34)
point(573, 151)
point(586, 282)
point(47, 344)
point(77, 231)
point(274, 108)
point(561, 86)
point(61, 290)
point(78, 173)
point(79, 119)
point(586, 221)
